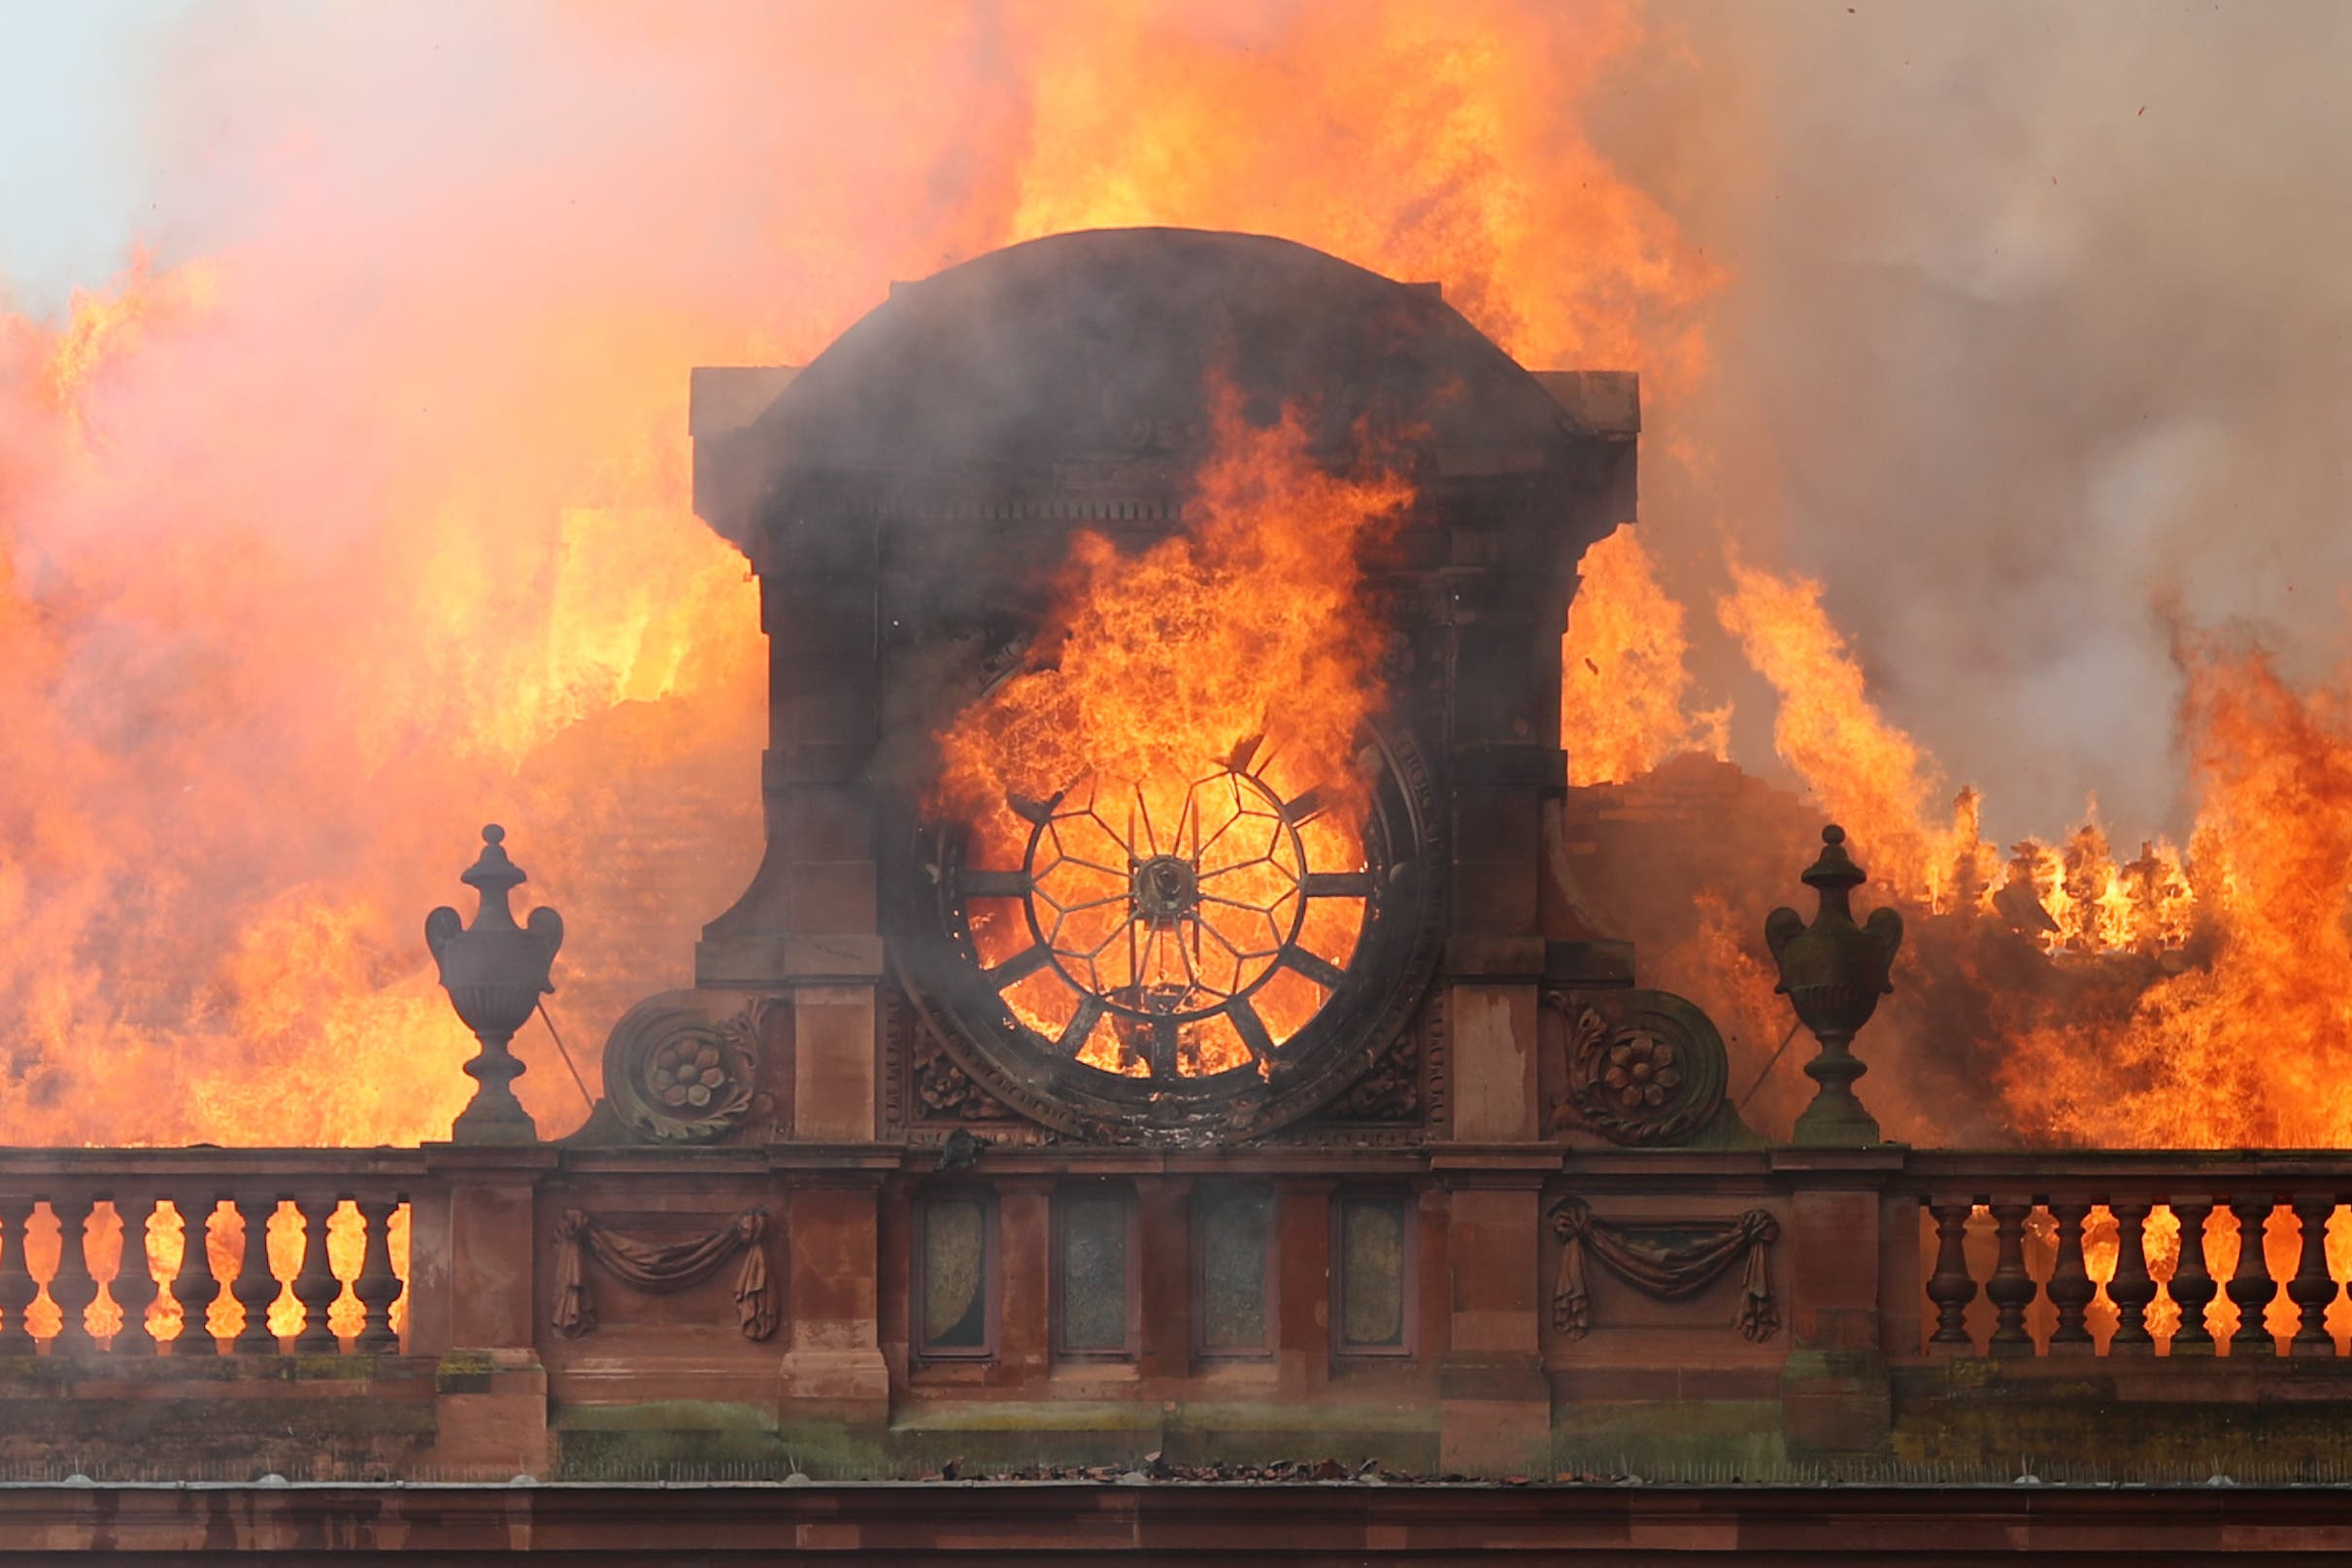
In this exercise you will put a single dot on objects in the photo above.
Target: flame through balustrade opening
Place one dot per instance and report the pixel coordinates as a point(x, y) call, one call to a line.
point(288, 1295)
point(2052, 1278)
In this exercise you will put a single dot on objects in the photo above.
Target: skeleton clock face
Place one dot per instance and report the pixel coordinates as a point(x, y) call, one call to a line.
point(1180, 958)
point(1177, 940)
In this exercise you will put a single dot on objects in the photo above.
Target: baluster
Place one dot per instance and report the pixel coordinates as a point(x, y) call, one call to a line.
point(376, 1287)
point(254, 1286)
point(1950, 1287)
point(134, 1288)
point(2070, 1288)
point(158, 1285)
point(73, 1288)
point(315, 1284)
point(2191, 1285)
point(2130, 1290)
point(2010, 1289)
point(2313, 1287)
point(2250, 1285)
point(194, 1287)
point(19, 1289)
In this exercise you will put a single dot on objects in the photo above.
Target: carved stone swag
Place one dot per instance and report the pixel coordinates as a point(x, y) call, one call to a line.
point(649, 1267)
point(1669, 1260)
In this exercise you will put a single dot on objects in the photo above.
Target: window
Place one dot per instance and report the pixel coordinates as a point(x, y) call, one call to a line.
point(1232, 1267)
point(1094, 1273)
point(954, 1275)
point(1372, 1247)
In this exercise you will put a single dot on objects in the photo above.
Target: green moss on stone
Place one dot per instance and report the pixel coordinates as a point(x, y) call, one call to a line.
point(668, 1415)
point(715, 1441)
point(1671, 1439)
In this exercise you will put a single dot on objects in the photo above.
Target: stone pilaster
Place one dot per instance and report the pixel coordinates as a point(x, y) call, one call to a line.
point(474, 1255)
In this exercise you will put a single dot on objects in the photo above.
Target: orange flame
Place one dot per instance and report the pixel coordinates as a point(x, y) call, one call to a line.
point(161, 1233)
point(1875, 779)
point(1870, 775)
point(2254, 1047)
point(209, 885)
point(373, 524)
point(103, 327)
point(2210, 1003)
point(1422, 141)
point(1623, 683)
point(1196, 693)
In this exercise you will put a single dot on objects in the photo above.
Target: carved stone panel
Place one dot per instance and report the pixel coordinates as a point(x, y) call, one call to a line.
point(1398, 1102)
point(1666, 1260)
point(927, 1092)
point(664, 1267)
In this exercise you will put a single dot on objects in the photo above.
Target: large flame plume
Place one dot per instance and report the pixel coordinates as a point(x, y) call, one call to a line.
point(1624, 688)
point(2192, 998)
point(359, 516)
point(2253, 1043)
point(252, 703)
point(1179, 700)
point(1422, 141)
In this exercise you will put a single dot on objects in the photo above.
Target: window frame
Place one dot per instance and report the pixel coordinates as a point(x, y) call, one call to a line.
point(1408, 1305)
point(1131, 1346)
point(1204, 1197)
point(991, 1298)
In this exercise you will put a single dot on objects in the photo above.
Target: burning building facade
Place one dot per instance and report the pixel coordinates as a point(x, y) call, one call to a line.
point(1166, 634)
point(1166, 1020)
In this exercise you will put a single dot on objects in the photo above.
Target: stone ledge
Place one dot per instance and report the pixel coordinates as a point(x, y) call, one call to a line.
point(135, 1375)
point(891, 1523)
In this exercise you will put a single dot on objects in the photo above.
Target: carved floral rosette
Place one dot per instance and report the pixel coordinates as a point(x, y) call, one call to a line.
point(1644, 1068)
point(943, 1091)
point(677, 1075)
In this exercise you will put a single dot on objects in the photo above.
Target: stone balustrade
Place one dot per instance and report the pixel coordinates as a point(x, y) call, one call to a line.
point(552, 1310)
point(120, 1253)
point(2131, 1254)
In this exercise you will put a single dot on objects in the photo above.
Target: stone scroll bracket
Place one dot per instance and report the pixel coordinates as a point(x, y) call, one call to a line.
point(1641, 1069)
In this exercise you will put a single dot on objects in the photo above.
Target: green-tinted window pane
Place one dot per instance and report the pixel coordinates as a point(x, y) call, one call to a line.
point(1093, 1273)
point(1233, 1271)
point(954, 1280)
point(1371, 1263)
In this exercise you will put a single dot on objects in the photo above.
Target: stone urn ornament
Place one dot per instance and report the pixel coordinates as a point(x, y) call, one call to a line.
point(1834, 971)
point(495, 972)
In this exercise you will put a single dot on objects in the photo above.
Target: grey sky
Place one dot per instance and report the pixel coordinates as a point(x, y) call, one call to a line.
point(73, 169)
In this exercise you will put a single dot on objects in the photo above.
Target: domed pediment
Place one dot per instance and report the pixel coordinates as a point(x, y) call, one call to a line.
point(1107, 346)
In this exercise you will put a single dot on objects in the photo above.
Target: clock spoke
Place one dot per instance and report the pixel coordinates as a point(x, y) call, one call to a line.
point(1019, 967)
point(1252, 1028)
point(1322, 971)
point(1082, 1024)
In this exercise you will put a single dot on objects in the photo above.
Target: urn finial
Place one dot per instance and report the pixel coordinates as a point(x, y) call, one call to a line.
point(1834, 971)
point(495, 972)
